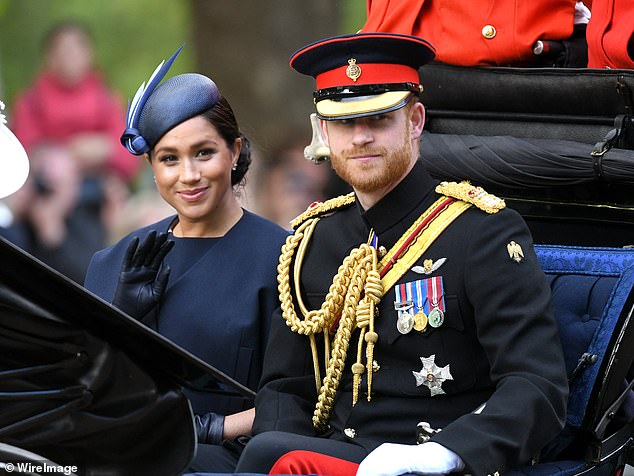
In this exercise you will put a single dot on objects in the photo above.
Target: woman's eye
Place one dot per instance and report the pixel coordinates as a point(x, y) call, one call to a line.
point(168, 158)
point(205, 152)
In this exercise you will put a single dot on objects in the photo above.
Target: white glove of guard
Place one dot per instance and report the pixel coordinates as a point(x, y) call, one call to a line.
point(392, 459)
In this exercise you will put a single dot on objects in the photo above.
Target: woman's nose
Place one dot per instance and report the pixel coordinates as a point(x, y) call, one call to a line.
point(189, 171)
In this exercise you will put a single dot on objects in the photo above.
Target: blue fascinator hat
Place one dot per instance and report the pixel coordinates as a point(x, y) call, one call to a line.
point(157, 109)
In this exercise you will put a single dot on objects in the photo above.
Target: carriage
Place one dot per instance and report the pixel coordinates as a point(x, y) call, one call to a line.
point(83, 385)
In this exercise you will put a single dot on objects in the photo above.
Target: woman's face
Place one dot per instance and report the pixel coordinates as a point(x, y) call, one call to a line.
point(192, 169)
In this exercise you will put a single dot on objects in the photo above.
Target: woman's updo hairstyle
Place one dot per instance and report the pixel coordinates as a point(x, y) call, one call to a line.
point(221, 116)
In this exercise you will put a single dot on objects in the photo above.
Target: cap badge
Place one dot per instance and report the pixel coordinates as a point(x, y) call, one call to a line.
point(353, 71)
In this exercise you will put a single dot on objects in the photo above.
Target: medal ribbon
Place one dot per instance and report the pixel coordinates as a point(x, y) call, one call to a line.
point(408, 288)
point(421, 295)
point(434, 291)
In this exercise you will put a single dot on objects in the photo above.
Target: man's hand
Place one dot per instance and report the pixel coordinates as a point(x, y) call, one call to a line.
point(142, 279)
point(392, 459)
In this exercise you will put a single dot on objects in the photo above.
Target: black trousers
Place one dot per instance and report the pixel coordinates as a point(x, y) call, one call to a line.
point(219, 459)
point(265, 449)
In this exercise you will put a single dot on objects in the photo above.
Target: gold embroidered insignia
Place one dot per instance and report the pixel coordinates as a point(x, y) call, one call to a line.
point(429, 266)
point(353, 71)
point(471, 194)
point(320, 208)
point(515, 252)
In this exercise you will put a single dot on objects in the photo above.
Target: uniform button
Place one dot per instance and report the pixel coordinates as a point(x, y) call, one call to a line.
point(350, 432)
point(375, 366)
point(489, 31)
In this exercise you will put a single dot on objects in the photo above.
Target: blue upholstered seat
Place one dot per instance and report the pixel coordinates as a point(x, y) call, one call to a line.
point(592, 303)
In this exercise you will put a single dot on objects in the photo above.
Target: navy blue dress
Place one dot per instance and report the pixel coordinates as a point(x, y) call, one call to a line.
point(219, 299)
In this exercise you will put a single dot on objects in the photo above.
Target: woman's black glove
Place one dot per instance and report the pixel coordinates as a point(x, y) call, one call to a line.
point(210, 428)
point(142, 279)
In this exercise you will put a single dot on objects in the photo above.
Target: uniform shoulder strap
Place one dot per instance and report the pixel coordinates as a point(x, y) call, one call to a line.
point(471, 194)
point(316, 209)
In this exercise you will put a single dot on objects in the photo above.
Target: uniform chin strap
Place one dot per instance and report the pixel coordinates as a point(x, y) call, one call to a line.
point(317, 152)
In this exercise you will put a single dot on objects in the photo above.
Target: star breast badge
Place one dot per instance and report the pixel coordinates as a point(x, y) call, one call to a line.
point(432, 376)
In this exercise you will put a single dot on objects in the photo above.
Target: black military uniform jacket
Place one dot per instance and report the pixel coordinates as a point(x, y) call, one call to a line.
point(498, 338)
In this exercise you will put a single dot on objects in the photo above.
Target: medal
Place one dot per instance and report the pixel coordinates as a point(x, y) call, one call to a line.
point(436, 317)
point(404, 306)
point(420, 318)
point(420, 321)
point(432, 376)
point(419, 303)
point(405, 322)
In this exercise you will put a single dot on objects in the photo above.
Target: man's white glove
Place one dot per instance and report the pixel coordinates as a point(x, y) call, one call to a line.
point(391, 459)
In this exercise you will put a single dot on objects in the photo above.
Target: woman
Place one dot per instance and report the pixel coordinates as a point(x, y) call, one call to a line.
point(206, 277)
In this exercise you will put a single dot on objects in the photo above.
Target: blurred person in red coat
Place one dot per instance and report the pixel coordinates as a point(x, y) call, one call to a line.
point(69, 122)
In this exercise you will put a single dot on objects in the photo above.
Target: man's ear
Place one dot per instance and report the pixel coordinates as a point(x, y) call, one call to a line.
point(323, 125)
point(417, 119)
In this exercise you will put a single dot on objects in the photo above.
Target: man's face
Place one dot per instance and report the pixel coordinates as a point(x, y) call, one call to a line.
point(374, 153)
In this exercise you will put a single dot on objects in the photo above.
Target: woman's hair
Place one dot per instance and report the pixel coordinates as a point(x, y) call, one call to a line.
point(221, 116)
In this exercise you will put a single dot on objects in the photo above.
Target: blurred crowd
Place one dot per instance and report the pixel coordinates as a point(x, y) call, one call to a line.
point(85, 191)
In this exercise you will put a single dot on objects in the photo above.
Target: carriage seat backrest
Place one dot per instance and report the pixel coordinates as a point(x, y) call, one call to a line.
point(590, 288)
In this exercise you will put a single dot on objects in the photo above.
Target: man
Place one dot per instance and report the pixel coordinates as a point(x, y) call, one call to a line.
point(421, 305)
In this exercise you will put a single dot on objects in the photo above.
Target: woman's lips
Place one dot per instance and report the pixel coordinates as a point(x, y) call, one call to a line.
point(193, 195)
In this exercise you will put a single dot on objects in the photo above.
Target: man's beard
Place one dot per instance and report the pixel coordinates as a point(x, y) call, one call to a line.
point(380, 173)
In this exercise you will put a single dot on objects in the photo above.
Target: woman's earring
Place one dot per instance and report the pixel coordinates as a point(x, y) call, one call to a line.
point(235, 167)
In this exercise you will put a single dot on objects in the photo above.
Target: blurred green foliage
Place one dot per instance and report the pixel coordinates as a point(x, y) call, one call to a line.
point(354, 14)
point(131, 38)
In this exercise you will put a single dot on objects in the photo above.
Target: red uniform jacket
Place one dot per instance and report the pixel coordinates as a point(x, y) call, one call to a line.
point(609, 31)
point(480, 32)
